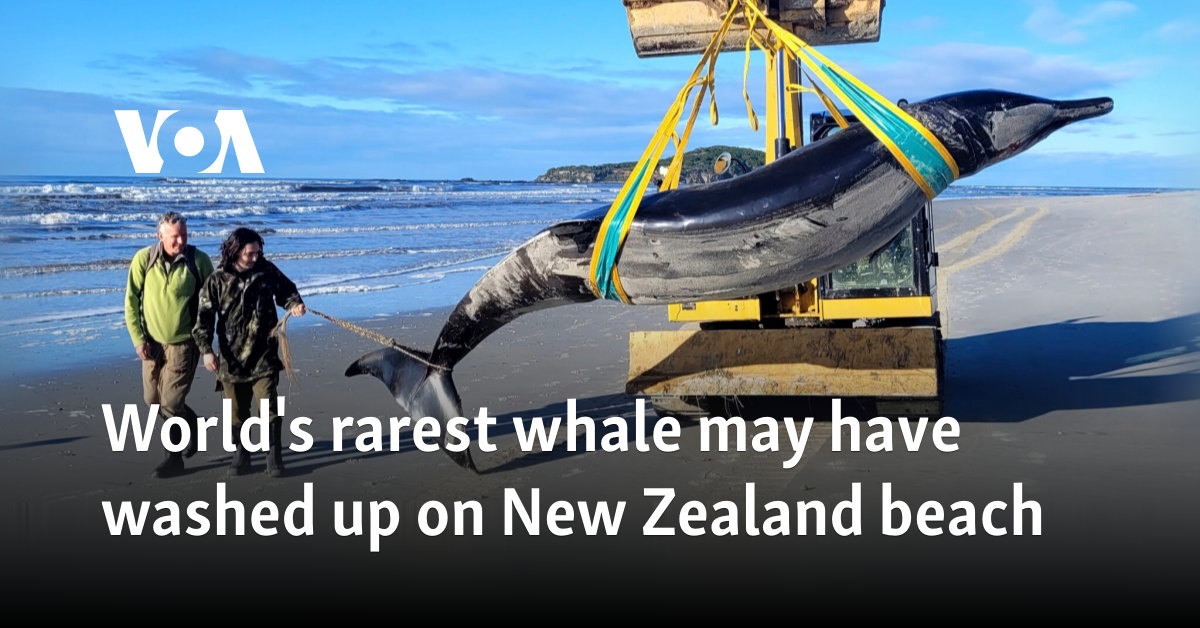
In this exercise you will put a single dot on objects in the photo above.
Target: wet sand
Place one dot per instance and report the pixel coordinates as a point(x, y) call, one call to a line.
point(1072, 327)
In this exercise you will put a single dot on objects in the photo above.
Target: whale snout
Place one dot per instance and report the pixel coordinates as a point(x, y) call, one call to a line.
point(1067, 111)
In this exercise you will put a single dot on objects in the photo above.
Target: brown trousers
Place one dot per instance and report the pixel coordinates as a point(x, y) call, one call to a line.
point(245, 396)
point(167, 379)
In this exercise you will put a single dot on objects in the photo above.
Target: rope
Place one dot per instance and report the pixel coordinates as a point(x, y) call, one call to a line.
point(281, 332)
point(285, 351)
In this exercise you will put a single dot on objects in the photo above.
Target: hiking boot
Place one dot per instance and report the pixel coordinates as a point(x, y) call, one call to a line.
point(275, 455)
point(192, 443)
point(241, 462)
point(275, 464)
point(171, 466)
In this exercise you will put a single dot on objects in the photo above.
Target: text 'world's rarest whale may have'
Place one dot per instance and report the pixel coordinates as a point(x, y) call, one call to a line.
point(809, 213)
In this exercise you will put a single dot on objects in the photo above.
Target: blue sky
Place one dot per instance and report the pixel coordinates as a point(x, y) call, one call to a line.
point(505, 90)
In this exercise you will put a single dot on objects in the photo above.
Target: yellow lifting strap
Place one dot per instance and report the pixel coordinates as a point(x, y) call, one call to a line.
point(919, 152)
point(603, 278)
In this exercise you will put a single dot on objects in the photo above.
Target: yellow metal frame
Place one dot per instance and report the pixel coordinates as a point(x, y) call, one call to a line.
point(876, 307)
point(803, 301)
point(725, 310)
point(791, 107)
point(680, 27)
point(750, 308)
point(898, 367)
point(896, 362)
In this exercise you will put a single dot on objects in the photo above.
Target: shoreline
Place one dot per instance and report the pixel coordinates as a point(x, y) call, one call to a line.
point(51, 358)
point(1072, 370)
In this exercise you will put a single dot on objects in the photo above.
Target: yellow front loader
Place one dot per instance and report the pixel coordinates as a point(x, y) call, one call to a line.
point(869, 334)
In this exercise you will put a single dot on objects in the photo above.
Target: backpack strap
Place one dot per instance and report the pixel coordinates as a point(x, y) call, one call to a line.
point(189, 260)
point(155, 252)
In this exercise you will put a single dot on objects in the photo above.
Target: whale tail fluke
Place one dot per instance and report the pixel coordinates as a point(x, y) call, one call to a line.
point(421, 388)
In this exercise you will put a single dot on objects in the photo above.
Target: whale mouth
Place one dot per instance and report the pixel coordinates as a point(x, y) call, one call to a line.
point(1067, 111)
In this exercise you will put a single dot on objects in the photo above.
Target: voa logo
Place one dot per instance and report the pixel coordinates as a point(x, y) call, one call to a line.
point(188, 141)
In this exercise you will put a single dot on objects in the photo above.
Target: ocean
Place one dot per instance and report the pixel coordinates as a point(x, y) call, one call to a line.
point(357, 249)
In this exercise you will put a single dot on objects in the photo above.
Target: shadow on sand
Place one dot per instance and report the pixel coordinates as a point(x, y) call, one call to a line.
point(1019, 374)
point(1009, 376)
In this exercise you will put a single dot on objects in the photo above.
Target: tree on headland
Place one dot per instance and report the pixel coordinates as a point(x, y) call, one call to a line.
point(697, 167)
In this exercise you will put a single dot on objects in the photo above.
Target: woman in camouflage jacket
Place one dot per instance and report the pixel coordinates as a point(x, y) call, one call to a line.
point(237, 307)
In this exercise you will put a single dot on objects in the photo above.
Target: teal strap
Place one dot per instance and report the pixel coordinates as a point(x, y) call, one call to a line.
point(609, 240)
point(924, 156)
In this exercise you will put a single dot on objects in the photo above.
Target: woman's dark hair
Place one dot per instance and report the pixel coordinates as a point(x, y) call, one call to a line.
point(231, 248)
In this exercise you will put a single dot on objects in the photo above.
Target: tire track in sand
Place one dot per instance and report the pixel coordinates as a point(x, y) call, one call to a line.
point(964, 240)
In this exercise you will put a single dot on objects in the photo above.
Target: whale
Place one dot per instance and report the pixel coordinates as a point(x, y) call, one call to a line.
point(814, 210)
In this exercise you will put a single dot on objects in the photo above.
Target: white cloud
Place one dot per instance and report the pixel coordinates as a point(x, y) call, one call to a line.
point(1178, 30)
point(941, 68)
point(1050, 23)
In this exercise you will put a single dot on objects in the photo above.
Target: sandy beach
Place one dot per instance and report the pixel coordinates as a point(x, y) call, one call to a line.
point(1072, 329)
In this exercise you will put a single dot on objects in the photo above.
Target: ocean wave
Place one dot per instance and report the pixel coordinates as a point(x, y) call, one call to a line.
point(123, 263)
point(413, 270)
point(389, 250)
point(76, 218)
point(339, 187)
point(60, 292)
point(1002, 191)
point(349, 289)
point(141, 217)
point(407, 227)
point(52, 197)
point(437, 276)
point(72, 267)
point(61, 316)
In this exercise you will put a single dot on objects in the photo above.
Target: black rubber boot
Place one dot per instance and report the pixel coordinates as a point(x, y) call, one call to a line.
point(195, 439)
point(171, 466)
point(275, 455)
point(241, 456)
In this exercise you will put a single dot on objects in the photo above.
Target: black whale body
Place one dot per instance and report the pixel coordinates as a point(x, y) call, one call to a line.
point(815, 210)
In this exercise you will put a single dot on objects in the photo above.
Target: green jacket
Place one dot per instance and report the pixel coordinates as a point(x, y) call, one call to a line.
point(238, 311)
point(157, 299)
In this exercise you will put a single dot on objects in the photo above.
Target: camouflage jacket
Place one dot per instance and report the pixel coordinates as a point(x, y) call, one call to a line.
point(240, 307)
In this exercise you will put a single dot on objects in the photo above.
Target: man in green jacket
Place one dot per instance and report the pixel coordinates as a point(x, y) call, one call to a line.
point(161, 298)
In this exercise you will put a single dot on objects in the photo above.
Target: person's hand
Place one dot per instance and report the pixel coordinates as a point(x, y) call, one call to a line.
point(298, 309)
point(210, 362)
point(144, 352)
